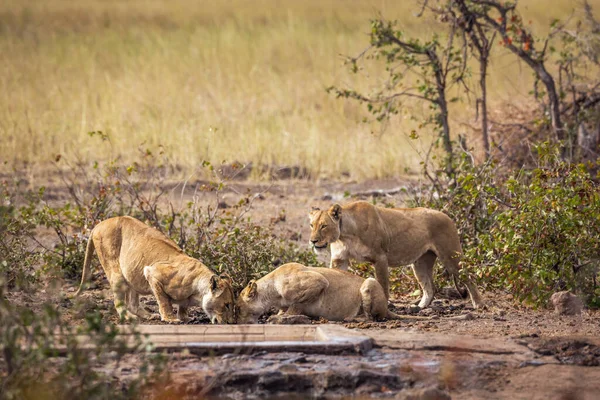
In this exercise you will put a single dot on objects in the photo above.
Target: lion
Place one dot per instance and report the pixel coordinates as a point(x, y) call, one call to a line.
point(295, 289)
point(138, 259)
point(390, 237)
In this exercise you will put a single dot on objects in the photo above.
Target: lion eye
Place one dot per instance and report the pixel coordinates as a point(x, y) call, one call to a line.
point(311, 225)
point(323, 227)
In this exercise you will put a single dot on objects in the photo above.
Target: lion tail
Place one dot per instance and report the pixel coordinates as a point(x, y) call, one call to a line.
point(393, 315)
point(89, 252)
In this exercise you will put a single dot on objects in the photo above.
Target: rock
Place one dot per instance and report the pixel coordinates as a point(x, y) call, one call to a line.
point(428, 311)
point(413, 309)
point(463, 317)
point(566, 303)
point(430, 393)
point(449, 293)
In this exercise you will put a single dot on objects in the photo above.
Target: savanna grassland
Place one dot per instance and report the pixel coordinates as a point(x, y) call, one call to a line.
point(124, 107)
point(228, 80)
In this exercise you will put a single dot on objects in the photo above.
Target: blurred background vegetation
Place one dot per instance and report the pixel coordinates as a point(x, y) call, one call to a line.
point(237, 80)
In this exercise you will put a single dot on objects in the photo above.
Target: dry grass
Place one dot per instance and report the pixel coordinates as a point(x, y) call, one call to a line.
point(227, 80)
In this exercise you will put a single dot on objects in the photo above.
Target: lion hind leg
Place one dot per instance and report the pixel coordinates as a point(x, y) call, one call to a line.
point(374, 302)
point(303, 287)
point(182, 313)
point(423, 269)
point(121, 291)
point(452, 266)
point(133, 304)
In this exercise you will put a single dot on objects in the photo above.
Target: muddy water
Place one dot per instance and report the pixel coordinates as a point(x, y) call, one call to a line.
point(380, 372)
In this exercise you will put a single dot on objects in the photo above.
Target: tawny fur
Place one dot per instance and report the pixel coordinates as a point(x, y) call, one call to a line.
point(138, 259)
point(390, 237)
point(295, 289)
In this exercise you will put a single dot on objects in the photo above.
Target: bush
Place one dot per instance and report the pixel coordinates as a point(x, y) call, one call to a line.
point(222, 238)
point(548, 236)
point(17, 261)
point(29, 367)
point(31, 332)
point(226, 241)
point(531, 232)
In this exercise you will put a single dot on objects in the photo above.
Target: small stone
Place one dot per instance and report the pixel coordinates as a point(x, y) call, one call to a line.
point(566, 303)
point(413, 309)
point(427, 311)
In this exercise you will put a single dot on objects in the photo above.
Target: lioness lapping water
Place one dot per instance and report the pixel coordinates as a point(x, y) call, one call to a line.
point(138, 259)
point(390, 237)
point(295, 289)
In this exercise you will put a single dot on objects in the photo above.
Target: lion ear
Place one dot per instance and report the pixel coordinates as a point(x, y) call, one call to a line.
point(214, 283)
point(225, 277)
point(335, 211)
point(252, 289)
point(314, 211)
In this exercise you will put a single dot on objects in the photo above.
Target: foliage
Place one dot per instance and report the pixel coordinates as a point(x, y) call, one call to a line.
point(16, 261)
point(230, 243)
point(222, 237)
point(248, 252)
point(532, 232)
point(434, 66)
point(32, 332)
point(31, 341)
point(399, 279)
point(533, 229)
point(548, 237)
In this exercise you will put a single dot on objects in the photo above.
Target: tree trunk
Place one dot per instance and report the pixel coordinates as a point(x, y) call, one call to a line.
point(445, 125)
point(483, 64)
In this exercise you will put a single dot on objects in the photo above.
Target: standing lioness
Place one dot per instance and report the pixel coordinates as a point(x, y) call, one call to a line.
point(315, 292)
point(138, 259)
point(390, 237)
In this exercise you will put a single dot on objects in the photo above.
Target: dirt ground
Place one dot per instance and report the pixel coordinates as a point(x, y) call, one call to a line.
point(555, 357)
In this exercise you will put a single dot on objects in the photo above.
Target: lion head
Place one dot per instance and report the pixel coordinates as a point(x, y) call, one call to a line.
point(325, 226)
point(218, 304)
point(249, 306)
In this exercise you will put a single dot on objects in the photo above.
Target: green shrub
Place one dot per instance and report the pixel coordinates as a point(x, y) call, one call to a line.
point(30, 366)
point(223, 238)
point(229, 243)
point(532, 232)
point(17, 260)
point(548, 237)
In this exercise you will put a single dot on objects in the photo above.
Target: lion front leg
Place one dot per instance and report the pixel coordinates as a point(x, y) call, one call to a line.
point(121, 291)
point(339, 263)
point(382, 274)
point(165, 308)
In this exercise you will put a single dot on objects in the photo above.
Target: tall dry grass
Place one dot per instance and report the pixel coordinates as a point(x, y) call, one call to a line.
point(226, 80)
